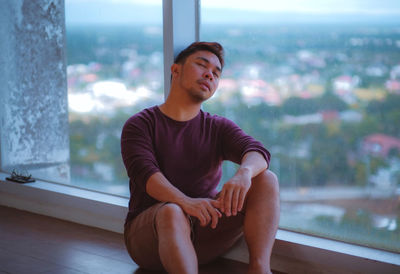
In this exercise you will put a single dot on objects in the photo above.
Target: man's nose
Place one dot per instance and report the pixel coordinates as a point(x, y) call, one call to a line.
point(208, 75)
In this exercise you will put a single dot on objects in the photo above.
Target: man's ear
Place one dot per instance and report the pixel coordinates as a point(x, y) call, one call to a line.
point(175, 69)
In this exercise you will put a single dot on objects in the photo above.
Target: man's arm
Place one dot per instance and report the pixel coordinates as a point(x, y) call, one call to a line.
point(206, 210)
point(234, 191)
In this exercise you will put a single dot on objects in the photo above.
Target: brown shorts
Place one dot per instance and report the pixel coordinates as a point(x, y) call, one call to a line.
point(142, 243)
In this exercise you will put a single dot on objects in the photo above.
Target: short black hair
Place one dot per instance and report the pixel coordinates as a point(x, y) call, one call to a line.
point(212, 47)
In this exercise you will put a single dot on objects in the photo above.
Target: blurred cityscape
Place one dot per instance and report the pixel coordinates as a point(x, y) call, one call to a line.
point(324, 99)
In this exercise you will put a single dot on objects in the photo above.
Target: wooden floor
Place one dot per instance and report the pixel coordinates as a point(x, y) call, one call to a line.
point(31, 243)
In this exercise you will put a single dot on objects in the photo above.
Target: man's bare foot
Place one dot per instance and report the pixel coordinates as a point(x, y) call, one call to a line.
point(259, 270)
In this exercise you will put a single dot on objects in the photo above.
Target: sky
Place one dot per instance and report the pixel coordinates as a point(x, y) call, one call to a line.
point(309, 6)
point(150, 11)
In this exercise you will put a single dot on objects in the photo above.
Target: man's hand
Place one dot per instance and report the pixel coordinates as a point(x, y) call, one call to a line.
point(234, 192)
point(206, 210)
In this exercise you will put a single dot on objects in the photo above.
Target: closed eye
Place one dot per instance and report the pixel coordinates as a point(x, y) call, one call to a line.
point(203, 62)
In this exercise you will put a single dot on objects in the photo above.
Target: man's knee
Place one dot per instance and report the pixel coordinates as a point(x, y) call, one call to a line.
point(269, 180)
point(171, 216)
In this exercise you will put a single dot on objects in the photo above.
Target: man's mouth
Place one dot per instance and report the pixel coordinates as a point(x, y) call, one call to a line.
point(205, 85)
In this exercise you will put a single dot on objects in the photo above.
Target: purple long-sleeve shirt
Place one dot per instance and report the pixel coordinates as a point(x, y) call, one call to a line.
point(189, 154)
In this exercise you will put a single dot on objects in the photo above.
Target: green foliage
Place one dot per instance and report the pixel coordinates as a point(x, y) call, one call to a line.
point(387, 113)
point(360, 218)
point(97, 141)
point(300, 106)
point(357, 226)
point(325, 220)
point(360, 174)
point(103, 43)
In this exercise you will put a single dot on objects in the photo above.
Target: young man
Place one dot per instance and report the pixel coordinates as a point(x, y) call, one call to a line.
point(173, 155)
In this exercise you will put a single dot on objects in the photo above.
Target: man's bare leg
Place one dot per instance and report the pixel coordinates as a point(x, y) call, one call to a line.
point(261, 221)
point(175, 246)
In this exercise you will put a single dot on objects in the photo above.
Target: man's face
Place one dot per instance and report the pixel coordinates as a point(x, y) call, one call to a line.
point(199, 75)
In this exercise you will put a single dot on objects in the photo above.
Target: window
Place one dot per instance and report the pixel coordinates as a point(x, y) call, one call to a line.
point(115, 69)
point(319, 86)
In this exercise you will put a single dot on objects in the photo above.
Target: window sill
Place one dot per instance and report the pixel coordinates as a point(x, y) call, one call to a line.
point(293, 252)
point(299, 253)
point(66, 202)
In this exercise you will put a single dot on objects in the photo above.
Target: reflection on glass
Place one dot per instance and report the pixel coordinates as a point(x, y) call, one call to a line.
point(115, 69)
point(322, 91)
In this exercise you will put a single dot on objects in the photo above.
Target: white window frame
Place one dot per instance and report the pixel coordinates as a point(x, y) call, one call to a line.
point(293, 252)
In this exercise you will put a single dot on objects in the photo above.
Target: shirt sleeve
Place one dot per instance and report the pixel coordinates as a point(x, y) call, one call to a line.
point(235, 143)
point(137, 150)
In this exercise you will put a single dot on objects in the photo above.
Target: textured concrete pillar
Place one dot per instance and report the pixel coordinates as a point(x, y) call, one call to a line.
point(33, 91)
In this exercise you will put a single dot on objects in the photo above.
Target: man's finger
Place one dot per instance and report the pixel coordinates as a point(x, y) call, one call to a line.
point(214, 217)
point(221, 199)
point(235, 201)
point(201, 218)
point(207, 216)
point(228, 202)
point(216, 204)
point(242, 197)
point(219, 213)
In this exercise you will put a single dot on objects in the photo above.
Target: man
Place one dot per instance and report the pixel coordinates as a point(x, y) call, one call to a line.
point(173, 155)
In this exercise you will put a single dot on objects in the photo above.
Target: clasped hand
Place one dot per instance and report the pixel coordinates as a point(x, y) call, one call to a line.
point(230, 201)
point(204, 209)
point(233, 193)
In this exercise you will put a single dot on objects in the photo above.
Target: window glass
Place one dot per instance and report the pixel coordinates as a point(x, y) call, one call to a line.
point(115, 69)
point(319, 84)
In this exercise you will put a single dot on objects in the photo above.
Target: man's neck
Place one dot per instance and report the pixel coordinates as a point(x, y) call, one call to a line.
point(179, 112)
